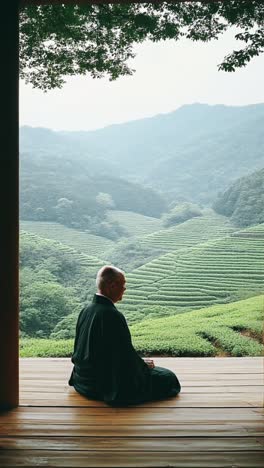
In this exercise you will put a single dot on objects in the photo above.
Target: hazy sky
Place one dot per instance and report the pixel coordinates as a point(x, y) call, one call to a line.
point(168, 75)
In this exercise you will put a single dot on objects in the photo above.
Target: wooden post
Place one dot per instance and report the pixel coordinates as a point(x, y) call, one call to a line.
point(9, 205)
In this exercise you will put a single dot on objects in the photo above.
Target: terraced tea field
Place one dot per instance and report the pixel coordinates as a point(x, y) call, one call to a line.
point(214, 272)
point(225, 330)
point(87, 261)
point(134, 223)
point(192, 232)
point(189, 276)
point(81, 241)
point(253, 231)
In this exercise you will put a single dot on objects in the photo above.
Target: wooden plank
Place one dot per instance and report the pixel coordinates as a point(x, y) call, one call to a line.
point(250, 364)
point(57, 375)
point(32, 458)
point(224, 363)
point(194, 367)
point(184, 400)
point(130, 411)
point(42, 403)
point(187, 380)
point(62, 389)
point(223, 389)
point(132, 416)
point(154, 444)
point(239, 429)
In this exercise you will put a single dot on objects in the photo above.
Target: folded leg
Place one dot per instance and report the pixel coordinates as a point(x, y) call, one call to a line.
point(164, 383)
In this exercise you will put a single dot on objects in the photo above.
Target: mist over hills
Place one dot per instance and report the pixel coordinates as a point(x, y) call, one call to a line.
point(189, 154)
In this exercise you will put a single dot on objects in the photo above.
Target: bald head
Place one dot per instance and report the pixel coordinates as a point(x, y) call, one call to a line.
point(110, 282)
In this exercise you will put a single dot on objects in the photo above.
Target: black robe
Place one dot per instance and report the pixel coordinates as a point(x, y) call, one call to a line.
point(106, 365)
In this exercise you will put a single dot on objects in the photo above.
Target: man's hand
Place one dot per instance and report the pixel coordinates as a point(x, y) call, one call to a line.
point(149, 362)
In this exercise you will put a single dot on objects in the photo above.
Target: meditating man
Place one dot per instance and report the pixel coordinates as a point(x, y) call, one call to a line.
point(106, 365)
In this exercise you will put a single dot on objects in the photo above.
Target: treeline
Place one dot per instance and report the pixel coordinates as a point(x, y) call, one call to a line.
point(62, 190)
point(180, 213)
point(243, 201)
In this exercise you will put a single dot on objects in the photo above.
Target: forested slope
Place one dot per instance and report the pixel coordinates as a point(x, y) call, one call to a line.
point(57, 188)
point(243, 201)
point(55, 281)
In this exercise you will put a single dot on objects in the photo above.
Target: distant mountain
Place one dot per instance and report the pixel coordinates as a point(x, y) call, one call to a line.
point(244, 200)
point(190, 154)
point(41, 145)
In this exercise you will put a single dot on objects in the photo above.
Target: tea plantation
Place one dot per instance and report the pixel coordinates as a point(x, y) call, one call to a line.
point(135, 224)
point(214, 272)
point(234, 329)
point(79, 240)
point(38, 243)
point(198, 270)
point(189, 233)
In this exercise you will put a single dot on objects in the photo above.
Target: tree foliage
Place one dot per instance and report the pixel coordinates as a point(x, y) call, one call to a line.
point(43, 305)
point(243, 201)
point(68, 191)
point(181, 213)
point(55, 282)
point(59, 40)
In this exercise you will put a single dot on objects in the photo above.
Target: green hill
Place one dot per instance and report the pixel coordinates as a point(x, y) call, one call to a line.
point(55, 281)
point(79, 240)
point(244, 200)
point(34, 249)
point(135, 224)
point(222, 330)
point(135, 252)
point(190, 275)
point(189, 233)
point(215, 272)
point(132, 253)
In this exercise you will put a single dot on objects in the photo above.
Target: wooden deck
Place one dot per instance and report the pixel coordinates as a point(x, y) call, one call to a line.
point(216, 421)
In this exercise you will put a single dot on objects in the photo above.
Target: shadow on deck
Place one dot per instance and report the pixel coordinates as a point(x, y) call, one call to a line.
point(216, 421)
